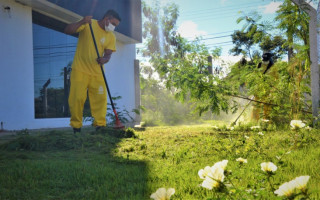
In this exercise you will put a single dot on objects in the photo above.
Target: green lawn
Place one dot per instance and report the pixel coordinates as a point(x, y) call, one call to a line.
point(101, 165)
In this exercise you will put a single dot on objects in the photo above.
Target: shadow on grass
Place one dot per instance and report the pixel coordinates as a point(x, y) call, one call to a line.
point(61, 165)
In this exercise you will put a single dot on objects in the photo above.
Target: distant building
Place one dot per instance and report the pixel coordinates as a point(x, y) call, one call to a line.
point(36, 57)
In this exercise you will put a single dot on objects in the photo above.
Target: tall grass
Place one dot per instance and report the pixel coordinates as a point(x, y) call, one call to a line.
point(107, 165)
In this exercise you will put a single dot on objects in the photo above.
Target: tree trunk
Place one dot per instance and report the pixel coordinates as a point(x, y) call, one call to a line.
point(290, 50)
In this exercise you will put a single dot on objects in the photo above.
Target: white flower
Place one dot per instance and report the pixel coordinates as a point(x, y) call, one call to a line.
point(205, 79)
point(260, 133)
point(163, 194)
point(308, 128)
point(215, 127)
point(265, 120)
point(230, 128)
point(249, 190)
point(255, 127)
point(242, 160)
point(268, 167)
point(222, 164)
point(297, 124)
point(214, 178)
point(204, 172)
point(301, 182)
point(210, 184)
point(247, 137)
point(286, 189)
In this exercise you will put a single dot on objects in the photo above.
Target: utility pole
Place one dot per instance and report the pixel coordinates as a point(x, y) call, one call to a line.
point(45, 98)
point(313, 55)
point(137, 90)
point(66, 81)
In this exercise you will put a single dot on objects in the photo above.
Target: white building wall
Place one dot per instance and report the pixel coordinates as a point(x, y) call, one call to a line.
point(16, 66)
point(17, 76)
point(120, 76)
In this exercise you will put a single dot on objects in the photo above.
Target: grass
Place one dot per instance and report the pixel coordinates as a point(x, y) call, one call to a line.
point(132, 165)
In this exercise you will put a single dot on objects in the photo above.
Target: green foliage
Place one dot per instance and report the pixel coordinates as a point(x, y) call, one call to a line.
point(186, 72)
point(284, 91)
point(293, 21)
point(255, 34)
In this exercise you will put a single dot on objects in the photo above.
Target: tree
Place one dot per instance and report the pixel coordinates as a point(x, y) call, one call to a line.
point(255, 33)
point(286, 84)
point(294, 22)
point(158, 28)
point(241, 39)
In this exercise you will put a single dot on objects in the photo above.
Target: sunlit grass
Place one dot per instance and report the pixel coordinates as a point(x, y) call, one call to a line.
point(59, 165)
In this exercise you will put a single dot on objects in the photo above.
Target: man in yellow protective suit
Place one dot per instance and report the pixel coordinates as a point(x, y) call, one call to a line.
point(86, 77)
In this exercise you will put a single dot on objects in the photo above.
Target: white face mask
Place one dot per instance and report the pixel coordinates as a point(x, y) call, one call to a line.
point(110, 27)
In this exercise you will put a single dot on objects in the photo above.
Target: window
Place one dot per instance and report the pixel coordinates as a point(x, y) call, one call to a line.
point(53, 53)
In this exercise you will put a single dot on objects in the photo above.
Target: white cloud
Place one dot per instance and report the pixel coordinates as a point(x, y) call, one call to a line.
point(271, 8)
point(189, 29)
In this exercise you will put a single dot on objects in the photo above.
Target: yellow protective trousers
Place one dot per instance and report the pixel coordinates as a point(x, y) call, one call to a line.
point(81, 85)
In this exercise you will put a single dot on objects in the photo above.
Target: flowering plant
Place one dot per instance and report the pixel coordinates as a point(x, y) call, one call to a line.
point(163, 194)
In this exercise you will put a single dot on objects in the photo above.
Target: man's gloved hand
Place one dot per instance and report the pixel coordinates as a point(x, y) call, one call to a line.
point(106, 57)
point(103, 60)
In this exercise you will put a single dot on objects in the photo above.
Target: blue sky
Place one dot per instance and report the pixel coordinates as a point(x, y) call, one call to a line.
point(215, 20)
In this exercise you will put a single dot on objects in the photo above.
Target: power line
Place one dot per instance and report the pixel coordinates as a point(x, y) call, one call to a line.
point(210, 9)
point(219, 33)
point(216, 15)
point(222, 45)
point(224, 9)
point(215, 18)
point(219, 12)
point(219, 43)
point(210, 34)
point(223, 36)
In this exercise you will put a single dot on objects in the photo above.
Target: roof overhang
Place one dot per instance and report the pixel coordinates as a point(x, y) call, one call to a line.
point(66, 16)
